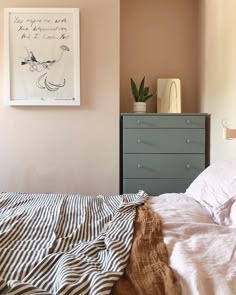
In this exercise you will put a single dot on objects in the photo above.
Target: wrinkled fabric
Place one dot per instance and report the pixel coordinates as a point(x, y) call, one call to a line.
point(226, 214)
point(147, 271)
point(202, 253)
point(64, 244)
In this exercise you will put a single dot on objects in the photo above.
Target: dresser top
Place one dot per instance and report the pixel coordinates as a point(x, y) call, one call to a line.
point(164, 114)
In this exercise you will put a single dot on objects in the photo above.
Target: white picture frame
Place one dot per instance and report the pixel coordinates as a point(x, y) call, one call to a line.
point(42, 56)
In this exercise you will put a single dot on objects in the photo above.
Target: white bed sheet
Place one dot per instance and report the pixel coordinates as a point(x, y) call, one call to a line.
point(202, 253)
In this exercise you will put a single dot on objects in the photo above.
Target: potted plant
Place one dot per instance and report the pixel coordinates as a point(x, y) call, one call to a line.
point(141, 95)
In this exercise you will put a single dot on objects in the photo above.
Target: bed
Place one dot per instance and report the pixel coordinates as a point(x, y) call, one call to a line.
point(130, 244)
point(202, 253)
point(70, 244)
point(199, 228)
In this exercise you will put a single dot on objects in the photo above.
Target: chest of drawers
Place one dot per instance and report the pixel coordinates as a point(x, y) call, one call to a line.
point(161, 153)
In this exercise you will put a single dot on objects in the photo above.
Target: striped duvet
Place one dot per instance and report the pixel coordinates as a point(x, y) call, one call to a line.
point(64, 244)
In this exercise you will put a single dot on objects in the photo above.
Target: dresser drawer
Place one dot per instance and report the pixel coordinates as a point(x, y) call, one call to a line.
point(180, 121)
point(156, 187)
point(163, 165)
point(164, 141)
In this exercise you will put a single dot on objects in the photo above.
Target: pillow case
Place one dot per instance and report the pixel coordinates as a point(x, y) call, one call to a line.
point(215, 186)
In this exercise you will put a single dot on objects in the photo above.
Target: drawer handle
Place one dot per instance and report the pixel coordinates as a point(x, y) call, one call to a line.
point(140, 166)
point(138, 122)
point(188, 140)
point(139, 140)
point(188, 121)
point(188, 166)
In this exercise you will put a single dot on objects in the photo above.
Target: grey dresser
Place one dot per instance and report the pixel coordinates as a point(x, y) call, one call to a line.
point(161, 153)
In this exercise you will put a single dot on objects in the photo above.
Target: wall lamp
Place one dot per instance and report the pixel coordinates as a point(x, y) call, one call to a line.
point(228, 133)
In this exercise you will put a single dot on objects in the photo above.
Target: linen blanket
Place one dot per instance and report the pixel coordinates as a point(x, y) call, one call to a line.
point(148, 270)
point(64, 244)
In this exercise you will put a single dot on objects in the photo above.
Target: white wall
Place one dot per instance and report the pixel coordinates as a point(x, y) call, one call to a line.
point(217, 87)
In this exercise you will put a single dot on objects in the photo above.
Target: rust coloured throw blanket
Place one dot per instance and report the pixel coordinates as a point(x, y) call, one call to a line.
point(147, 271)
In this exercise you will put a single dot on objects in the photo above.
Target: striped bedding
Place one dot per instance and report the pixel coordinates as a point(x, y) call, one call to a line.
point(64, 244)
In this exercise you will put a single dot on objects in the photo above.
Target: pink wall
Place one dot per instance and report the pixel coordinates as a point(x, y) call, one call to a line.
point(76, 149)
point(159, 40)
point(68, 149)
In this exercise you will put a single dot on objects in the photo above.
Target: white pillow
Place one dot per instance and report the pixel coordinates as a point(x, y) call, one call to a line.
point(215, 185)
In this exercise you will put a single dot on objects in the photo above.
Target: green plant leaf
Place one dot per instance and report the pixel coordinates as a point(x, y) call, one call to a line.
point(141, 87)
point(147, 97)
point(141, 97)
point(134, 89)
point(145, 91)
point(141, 94)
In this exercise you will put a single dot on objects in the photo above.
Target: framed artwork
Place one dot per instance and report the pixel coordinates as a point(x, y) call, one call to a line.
point(169, 95)
point(42, 55)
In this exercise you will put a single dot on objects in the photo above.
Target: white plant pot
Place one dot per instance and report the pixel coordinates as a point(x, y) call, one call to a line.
point(140, 107)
